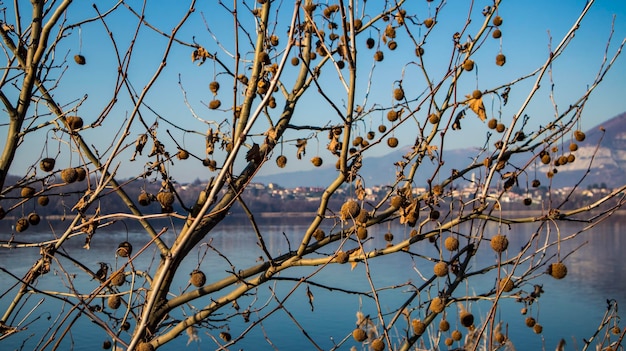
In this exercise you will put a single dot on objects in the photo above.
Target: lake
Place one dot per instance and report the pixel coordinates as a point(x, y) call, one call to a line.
point(571, 308)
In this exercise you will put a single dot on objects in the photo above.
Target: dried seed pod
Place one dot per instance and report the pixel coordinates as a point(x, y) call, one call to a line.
point(165, 198)
point(43, 200)
point(144, 199)
point(225, 336)
point(359, 335)
point(506, 284)
point(537, 328)
point(214, 86)
point(69, 175)
point(500, 59)
point(182, 154)
point(468, 65)
point(274, 40)
point(429, 22)
point(34, 218)
point(382, 128)
point(492, 123)
point(350, 209)
point(215, 104)
point(440, 269)
point(497, 21)
point(81, 174)
point(467, 319)
point(316, 161)
point(437, 305)
point(579, 135)
point(118, 279)
point(361, 233)
point(281, 161)
point(392, 142)
point(500, 128)
point(370, 42)
point(419, 51)
point(528, 201)
point(499, 337)
point(419, 327)
point(496, 34)
point(124, 249)
point(357, 141)
point(444, 325)
point(198, 278)
point(21, 225)
point(377, 345)
point(47, 164)
point(456, 335)
point(451, 243)
point(389, 236)
point(545, 159)
point(557, 270)
point(398, 94)
point(125, 326)
point(27, 192)
point(392, 45)
point(571, 158)
point(295, 61)
point(371, 135)
point(530, 322)
point(319, 234)
point(80, 59)
point(392, 116)
point(433, 118)
point(74, 122)
point(114, 302)
point(145, 346)
point(477, 94)
point(341, 257)
point(106, 344)
point(573, 147)
point(536, 183)
point(499, 243)
point(448, 342)
point(379, 56)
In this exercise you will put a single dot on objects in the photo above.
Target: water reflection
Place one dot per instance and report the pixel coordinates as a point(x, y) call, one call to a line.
point(569, 309)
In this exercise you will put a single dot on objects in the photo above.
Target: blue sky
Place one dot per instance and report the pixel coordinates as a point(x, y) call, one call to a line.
point(527, 29)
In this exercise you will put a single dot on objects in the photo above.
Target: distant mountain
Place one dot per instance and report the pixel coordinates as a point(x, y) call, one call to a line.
point(609, 163)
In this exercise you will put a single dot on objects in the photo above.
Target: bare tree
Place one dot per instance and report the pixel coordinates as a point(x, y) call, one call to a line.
point(273, 59)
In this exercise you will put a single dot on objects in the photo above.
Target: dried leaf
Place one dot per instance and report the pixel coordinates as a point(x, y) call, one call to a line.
point(271, 136)
point(478, 107)
point(192, 334)
point(211, 139)
point(334, 146)
point(301, 145)
point(431, 150)
point(254, 154)
point(139, 145)
point(457, 120)
point(200, 54)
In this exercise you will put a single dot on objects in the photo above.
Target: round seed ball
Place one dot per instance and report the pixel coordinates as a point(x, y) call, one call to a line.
point(359, 334)
point(557, 270)
point(377, 345)
point(214, 86)
point(499, 243)
point(143, 199)
point(295, 61)
point(492, 124)
point(497, 34)
point(396, 201)
point(419, 51)
point(215, 104)
point(106, 344)
point(437, 305)
point(350, 209)
point(43, 200)
point(21, 225)
point(500, 127)
point(392, 142)
point(371, 135)
point(165, 198)
point(433, 118)
point(370, 42)
point(451, 243)
point(316, 161)
point(80, 59)
point(392, 116)
point(506, 284)
point(281, 161)
point(456, 335)
point(47, 164)
point(419, 327)
point(537, 328)
point(500, 59)
point(34, 218)
point(182, 154)
point(118, 279)
point(319, 234)
point(198, 278)
point(468, 65)
point(389, 236)
point(448, 341)
point(500, 338)
point(341, 257)
point(74, 122)
point(361, 233)
point(379, 56)
point(429, 22)
point(573, 147)
point(27, 192)
point(382, 128)
point(477, 94)
point(69, 175)
point(398, 94)
point(441, 269)
point(497, 21)
point(530, 322)
point(124, 249)
point(467, 319)
point(444, 325)
point(528, 201)
point(114, 302)
point(145, 346)
point(579, 135)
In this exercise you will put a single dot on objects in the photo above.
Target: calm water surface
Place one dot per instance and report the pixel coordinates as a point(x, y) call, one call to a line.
point(570, 308)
